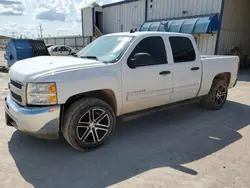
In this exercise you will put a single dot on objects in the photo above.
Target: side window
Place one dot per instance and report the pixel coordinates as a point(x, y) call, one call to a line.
point(182, 48)
point(63, 49)
point(56, 49)
point(155, 47)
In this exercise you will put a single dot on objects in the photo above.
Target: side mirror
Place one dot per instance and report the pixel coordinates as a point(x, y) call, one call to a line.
point(140, 59)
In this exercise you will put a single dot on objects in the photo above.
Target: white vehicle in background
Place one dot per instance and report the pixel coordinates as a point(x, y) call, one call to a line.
point(61, 50)
point(114, 75)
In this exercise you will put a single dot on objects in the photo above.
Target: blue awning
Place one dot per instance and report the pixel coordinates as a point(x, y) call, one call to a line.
point(199, 24)
point(154, 26)
point(145, 26)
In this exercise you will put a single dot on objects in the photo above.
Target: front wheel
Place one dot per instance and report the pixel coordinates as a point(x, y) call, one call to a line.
point(217, 95)
point(88, 123)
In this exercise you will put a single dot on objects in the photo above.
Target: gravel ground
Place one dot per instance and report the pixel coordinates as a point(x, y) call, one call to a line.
point(179, 147)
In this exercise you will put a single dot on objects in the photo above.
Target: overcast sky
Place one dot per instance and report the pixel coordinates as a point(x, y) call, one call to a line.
point(58, 17)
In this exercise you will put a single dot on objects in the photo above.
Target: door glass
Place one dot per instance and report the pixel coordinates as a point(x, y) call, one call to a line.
point(56, 49)
point(63, 49)
point(59, 49)
point(153, 46)
point(182, 48)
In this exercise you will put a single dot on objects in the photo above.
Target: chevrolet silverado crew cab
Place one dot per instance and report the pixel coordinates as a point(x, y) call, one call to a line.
point(114, 75)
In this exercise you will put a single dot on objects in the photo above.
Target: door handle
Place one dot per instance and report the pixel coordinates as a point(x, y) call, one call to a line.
point(195, 68)
point(164, 73)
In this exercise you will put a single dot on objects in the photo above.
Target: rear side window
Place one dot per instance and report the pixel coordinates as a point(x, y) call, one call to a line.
point(155, 47)
point(182, 48)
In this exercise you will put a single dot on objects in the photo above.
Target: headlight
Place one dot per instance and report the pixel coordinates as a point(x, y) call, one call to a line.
point(41, 94)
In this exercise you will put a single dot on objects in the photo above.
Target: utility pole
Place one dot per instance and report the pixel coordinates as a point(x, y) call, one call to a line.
point(13, 34)
point(41, 30)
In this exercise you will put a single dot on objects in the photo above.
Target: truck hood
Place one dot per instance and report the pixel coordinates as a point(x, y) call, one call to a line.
point(29, 69)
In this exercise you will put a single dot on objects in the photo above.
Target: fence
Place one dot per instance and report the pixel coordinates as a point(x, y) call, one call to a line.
point(77, 42)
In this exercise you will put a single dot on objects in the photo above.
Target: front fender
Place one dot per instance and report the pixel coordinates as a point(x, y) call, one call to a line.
point(70, 83)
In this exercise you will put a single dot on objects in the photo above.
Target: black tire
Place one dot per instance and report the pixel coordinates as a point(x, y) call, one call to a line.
point(217, 95)
point(76, 121)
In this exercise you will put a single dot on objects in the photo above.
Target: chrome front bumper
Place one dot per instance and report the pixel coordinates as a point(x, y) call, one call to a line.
point(42, 122)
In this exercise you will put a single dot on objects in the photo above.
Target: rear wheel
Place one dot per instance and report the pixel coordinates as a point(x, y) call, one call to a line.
point(217, 95)
point(88, 123)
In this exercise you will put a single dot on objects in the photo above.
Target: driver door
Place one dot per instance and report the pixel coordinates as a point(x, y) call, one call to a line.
point(149, 84)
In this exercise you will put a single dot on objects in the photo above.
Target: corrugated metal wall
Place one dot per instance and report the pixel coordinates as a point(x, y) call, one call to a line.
point(230, 39)
point(167, 9)
point(160, 9)
point(123, 17)
point(207, 43)
point(235, 26)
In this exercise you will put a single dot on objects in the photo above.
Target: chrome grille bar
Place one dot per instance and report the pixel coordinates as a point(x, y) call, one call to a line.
point(18, 92)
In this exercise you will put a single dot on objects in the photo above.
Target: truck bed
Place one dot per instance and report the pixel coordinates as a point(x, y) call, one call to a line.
point(213, 65)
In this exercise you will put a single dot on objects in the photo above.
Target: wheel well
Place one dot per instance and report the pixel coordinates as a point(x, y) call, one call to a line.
point(223, 76)
point(106, 95)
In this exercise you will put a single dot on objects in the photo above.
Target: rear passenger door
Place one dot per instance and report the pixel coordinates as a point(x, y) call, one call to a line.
point(186, 68)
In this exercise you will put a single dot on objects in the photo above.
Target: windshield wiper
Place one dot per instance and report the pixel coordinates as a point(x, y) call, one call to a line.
point(90, 57)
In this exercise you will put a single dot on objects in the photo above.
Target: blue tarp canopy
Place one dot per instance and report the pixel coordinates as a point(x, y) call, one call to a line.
point(198, 24)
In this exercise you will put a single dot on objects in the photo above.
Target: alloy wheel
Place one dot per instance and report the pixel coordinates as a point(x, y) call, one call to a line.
point(93, 126)
point(220, 95)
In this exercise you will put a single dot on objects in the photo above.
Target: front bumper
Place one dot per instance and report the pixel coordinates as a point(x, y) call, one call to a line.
point(42, 122)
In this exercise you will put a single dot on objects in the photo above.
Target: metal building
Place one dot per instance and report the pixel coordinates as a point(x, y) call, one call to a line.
point(218, 25)
point(235, 27)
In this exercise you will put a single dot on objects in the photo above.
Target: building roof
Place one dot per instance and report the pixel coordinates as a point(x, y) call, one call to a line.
point(119, 3)
point(90, 5)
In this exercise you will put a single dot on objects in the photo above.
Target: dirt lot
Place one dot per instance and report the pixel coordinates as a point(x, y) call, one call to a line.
point(181, 147)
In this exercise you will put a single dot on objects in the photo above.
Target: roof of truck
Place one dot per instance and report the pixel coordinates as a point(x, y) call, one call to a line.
point(148, 33)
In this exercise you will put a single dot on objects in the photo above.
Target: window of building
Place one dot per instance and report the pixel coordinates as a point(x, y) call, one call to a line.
point(183, 50)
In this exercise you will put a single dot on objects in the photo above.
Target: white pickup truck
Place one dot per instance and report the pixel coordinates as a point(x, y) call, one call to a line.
point(114, 75)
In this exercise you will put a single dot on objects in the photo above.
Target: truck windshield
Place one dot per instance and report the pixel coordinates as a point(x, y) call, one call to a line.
point(107, 48)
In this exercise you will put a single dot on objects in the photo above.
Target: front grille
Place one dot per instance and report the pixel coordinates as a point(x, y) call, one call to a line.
point(16, 84)
point(16, 97)
point(17, 92)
